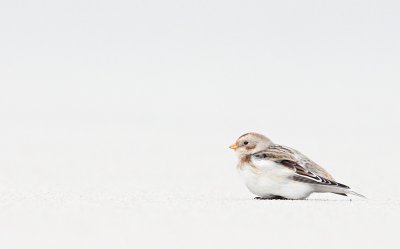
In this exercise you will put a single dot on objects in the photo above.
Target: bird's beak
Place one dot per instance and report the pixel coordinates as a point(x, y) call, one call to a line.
point(234, 146)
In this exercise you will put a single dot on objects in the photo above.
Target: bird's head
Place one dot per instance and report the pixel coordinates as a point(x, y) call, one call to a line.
point(250, 143)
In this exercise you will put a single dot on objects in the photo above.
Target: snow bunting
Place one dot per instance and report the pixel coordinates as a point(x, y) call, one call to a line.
point(272, 171)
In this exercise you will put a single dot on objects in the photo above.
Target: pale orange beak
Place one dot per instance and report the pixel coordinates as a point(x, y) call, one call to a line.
point(234, 146)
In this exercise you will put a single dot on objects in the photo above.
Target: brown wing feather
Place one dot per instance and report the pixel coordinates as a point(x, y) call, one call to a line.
point(307, 176)
point(305, 169)
point(280, 152)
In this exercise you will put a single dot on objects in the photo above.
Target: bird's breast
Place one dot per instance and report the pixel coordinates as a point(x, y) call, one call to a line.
point(261, 181)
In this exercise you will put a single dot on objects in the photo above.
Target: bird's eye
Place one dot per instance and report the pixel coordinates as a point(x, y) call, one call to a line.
point(245, 142)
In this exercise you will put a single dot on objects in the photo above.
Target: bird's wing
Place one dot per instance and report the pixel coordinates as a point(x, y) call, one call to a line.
point(304, 169)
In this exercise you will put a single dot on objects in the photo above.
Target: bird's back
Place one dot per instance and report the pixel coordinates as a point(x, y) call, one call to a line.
point(286, 153)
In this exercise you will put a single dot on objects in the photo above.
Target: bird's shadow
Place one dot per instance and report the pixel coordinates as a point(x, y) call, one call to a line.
point(291, 200)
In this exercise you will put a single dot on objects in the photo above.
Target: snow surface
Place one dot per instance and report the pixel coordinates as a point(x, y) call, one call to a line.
point(208, 220)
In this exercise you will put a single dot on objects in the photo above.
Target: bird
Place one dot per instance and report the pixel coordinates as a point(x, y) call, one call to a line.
point(272, 171)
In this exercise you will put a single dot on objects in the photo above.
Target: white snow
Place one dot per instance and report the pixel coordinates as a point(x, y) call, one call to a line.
point(202, 220)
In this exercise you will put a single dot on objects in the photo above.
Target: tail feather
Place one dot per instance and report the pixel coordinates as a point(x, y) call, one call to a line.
point(338, 190)
point(346, 192)
point(355, 193)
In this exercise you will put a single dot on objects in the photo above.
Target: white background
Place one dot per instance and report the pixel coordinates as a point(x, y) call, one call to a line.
point(115, 118)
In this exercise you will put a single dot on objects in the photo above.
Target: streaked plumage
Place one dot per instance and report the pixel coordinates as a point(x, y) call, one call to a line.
point(274, 171)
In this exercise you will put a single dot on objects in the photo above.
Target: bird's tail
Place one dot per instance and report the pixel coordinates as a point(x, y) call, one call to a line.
point(355, 193)
point(339, 190)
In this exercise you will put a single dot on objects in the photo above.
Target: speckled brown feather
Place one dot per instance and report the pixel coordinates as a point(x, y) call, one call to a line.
point(282, 153)
point(253, 134)
point(246, 160)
